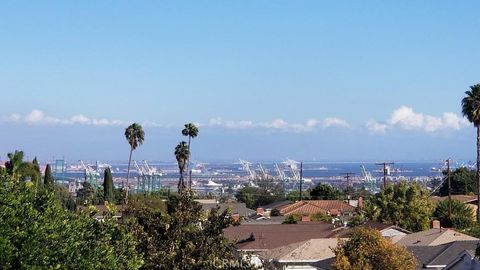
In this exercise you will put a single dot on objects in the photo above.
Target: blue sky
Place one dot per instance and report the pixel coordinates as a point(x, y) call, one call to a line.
point(356, 80)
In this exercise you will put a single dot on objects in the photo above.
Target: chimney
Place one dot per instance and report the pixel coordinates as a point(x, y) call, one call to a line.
point(260, 211)
point(360, 202)
point(236, 217)
point(306, 218)
point(436, 224)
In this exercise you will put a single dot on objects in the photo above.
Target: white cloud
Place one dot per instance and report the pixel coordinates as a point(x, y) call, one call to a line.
point(280, 124)
point(81, 119)
point(242, 124)
point(375, 127)
point(334, 122)
point(38, 117)
point(406, 118)
point(277, 124)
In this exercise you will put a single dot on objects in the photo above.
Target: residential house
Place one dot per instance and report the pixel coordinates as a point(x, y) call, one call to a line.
point(441, 248)
point(325, 207)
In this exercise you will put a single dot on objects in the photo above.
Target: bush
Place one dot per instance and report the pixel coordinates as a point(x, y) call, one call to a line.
point(290, 220)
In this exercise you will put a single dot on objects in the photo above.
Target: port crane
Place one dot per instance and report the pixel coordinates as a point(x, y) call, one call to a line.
point(263, 173)
point(370, 183)
point(293, 168)
point(91, 176)
point(148, 178)
point(252, 175)
point(154, 176)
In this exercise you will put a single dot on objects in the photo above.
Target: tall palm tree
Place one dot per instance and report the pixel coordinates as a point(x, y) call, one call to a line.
point(191, 131)
point(135, 137)
point(471, 109)
point(182, 154)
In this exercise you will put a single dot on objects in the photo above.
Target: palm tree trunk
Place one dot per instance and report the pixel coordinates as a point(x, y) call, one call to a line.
point(188, 162)
point(128, 173)
point(478, 173)
point(180, 181)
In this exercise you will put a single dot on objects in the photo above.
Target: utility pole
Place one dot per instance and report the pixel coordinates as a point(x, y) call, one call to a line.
point(347, 176)
point(301, 178)
point(385, 164)
point(449, 190)
point(190, 180)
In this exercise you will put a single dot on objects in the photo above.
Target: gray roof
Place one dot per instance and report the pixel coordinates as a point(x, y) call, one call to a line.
point(275, 204)
point(237, 208)
point(434, 237)
point(441, 254)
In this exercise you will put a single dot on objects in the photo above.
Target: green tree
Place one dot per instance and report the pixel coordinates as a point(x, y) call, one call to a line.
point(22, 170)
point(325, 192)
point(368, 250)
point(471, 109)
point(37, 232)
point(135, 137)
point(184, 237)
point(108, 187)
point(295, 195)
point(35, 167)
point(181, 154)
point(14, 164)
point(462, 214)
point(48, 178)
point(254, 197)
point(89, 195)
point(191, 131)
point(462, 182)
point(404, 204)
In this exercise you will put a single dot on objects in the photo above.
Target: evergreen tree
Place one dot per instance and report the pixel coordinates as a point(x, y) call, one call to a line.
point(108, 192)
point(48, 178)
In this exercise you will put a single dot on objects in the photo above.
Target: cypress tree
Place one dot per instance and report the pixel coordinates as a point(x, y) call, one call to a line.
point(108, 186)
point(48, 180)
point(38, 173)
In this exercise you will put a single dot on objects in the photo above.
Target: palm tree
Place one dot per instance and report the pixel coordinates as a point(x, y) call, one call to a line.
point(471, 109)
point(15, 163)
point(182, 154)
point(462, 214)
point(135, 137)
point(191, 131)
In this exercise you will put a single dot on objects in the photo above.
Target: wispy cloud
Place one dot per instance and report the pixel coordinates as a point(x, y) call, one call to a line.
point(280, 124)
point(38, 117)
point(375, 127)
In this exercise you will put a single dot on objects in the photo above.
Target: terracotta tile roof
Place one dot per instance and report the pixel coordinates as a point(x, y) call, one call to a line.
point(278, 235)
point(316, 206)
